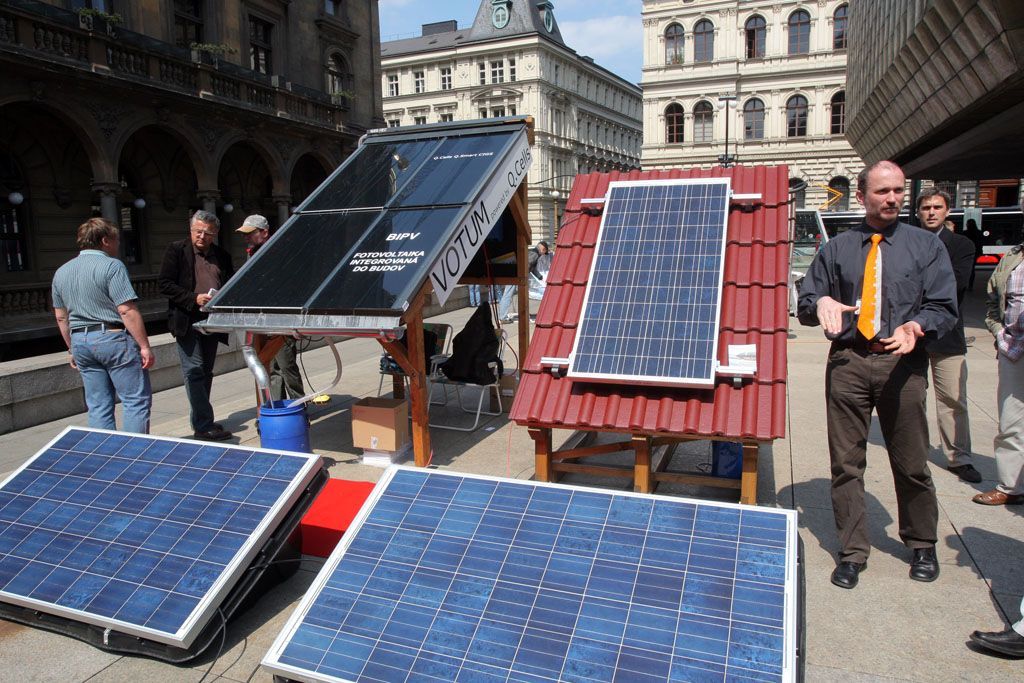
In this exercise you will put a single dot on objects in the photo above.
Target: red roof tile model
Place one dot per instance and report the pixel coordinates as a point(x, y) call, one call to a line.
point(754, 311)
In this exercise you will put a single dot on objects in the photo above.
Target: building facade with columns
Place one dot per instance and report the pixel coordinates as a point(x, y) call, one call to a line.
point(165, 107)
point(513, 61)
point(764, 78)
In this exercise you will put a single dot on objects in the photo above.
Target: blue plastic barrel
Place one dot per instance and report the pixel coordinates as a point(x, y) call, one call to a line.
point(727, 459)
point(284, 428)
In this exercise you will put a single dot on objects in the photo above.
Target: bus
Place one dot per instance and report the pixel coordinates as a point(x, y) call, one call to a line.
point(994, 230)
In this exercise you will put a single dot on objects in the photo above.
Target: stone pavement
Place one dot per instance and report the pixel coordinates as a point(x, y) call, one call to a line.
point(889, 628)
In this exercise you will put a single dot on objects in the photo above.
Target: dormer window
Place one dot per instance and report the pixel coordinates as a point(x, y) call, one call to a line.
point(500, 12)
point(547, 11)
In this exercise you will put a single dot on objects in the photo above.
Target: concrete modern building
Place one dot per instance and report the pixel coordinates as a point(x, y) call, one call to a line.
point(938, 86)
point(760, 80)
point(145, 111)
point(514, 61)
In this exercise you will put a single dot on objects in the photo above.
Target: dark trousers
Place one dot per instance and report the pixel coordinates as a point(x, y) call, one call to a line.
point(285, 378)
point(198, 353)
point(855, 383)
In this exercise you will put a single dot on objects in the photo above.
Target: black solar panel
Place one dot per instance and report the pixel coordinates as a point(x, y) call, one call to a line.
point(365, 241)
point(652, 309)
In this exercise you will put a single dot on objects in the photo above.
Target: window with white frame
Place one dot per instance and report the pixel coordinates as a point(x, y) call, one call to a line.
point(446, 78)
point(445, 117)
point(419, 120)
point(392, 85)
point(483, 72)
point(418, 82)
point(512, 69)
point(497, 71)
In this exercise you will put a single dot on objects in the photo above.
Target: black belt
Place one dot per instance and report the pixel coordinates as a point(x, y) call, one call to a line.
point(99, 327)
point(861, 346)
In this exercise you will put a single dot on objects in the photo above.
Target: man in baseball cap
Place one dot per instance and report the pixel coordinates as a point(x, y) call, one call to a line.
point(256, 230)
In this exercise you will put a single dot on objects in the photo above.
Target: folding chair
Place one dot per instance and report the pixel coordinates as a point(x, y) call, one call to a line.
point(389, 366)
point(438, 378)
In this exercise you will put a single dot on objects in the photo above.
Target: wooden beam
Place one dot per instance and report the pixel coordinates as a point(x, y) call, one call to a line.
point(642, 467)
point(520, 214)
point(542, 453)
point(622, 471)
point(589, 451)
point(748, 480)
point(697, 479)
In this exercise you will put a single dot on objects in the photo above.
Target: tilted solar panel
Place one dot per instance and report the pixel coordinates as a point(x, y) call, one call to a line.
point(451, 577)
point(140, 534)
point(652, 306)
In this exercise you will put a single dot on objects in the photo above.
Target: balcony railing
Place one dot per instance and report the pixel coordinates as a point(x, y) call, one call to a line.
point(54, 34)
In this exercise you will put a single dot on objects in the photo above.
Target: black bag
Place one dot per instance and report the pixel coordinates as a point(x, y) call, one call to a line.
point(473, 349)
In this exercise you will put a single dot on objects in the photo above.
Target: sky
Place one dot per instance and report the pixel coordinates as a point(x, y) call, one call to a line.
point(607, 30)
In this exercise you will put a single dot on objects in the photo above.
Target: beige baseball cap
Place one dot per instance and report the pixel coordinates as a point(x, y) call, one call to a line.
point(253, 223)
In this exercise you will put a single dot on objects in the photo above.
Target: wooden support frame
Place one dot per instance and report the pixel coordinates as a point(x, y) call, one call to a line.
point(650, 466)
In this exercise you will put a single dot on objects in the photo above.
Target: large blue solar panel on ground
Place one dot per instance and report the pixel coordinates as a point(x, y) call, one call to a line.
point(449, 577)
point(653, 298)
point(141, 534)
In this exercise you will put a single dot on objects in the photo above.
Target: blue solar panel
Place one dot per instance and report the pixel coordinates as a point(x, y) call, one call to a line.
point(137, 533)
point(651, 310)
point(463, 578)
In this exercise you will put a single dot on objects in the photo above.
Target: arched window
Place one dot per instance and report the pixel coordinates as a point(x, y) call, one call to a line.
point(839, 113)
point(703, 121)
point(798, 189)
point(674, 44)
point(703, 41)
point(796, 116)
point(674, 124)
point(839, 23)
point(753, 119)
point(840, 184)
point(339, 77)
point(754, 31)
point(799, 32)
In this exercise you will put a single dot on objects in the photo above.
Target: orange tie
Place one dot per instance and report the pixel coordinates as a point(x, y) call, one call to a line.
point(870, 299)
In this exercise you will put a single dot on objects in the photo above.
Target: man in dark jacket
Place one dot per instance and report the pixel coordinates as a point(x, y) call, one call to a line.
point(948, 353)
point(192, 271)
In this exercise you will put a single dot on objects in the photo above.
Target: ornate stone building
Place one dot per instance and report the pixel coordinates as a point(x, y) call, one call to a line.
point(513, 61)
point(145, 111)
point(764, 78)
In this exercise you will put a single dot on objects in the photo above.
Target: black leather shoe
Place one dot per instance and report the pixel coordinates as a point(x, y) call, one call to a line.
point(212, 434)
point(1007, 642)
point(846, 574)
point(925, 565)
point(966, 472)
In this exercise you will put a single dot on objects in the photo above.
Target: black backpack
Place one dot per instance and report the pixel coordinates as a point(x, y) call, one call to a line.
point(473, 349)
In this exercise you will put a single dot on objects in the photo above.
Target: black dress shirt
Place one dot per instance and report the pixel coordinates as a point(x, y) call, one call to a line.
point(917, 281)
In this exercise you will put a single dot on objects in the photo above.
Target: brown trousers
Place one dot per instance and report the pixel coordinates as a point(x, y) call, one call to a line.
point(855, 383)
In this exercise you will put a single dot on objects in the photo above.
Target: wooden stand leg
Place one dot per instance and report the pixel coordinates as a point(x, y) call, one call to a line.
point(642, 467)
point(542, 450)
point(748, 480)
point(419, 402)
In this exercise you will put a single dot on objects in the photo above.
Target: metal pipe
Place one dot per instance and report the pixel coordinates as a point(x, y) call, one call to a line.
point(258, 370)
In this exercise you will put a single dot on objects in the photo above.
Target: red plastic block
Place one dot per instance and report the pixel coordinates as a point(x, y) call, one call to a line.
point(331, 514)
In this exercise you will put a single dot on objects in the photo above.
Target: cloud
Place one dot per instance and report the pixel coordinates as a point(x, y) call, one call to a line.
point(605, 39)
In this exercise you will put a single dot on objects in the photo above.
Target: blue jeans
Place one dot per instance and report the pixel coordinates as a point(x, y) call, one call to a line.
point(474, 295)
point(111, 367)
point(505, 304)
point(198, 353)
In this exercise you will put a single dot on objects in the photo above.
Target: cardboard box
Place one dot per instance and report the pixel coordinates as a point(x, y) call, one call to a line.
point(508, 385)
point(381, 424)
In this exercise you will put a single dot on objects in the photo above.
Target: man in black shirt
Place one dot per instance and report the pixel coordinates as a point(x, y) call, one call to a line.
point(948, 353)
point(876, 290)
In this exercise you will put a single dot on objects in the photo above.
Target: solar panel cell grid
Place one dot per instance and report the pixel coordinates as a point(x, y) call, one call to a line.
point(134, 531)
point(652, 304)
point(468, 579)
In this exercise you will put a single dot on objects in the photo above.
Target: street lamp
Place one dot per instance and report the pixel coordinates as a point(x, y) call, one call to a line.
point(555, 196)
point(727, 103)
